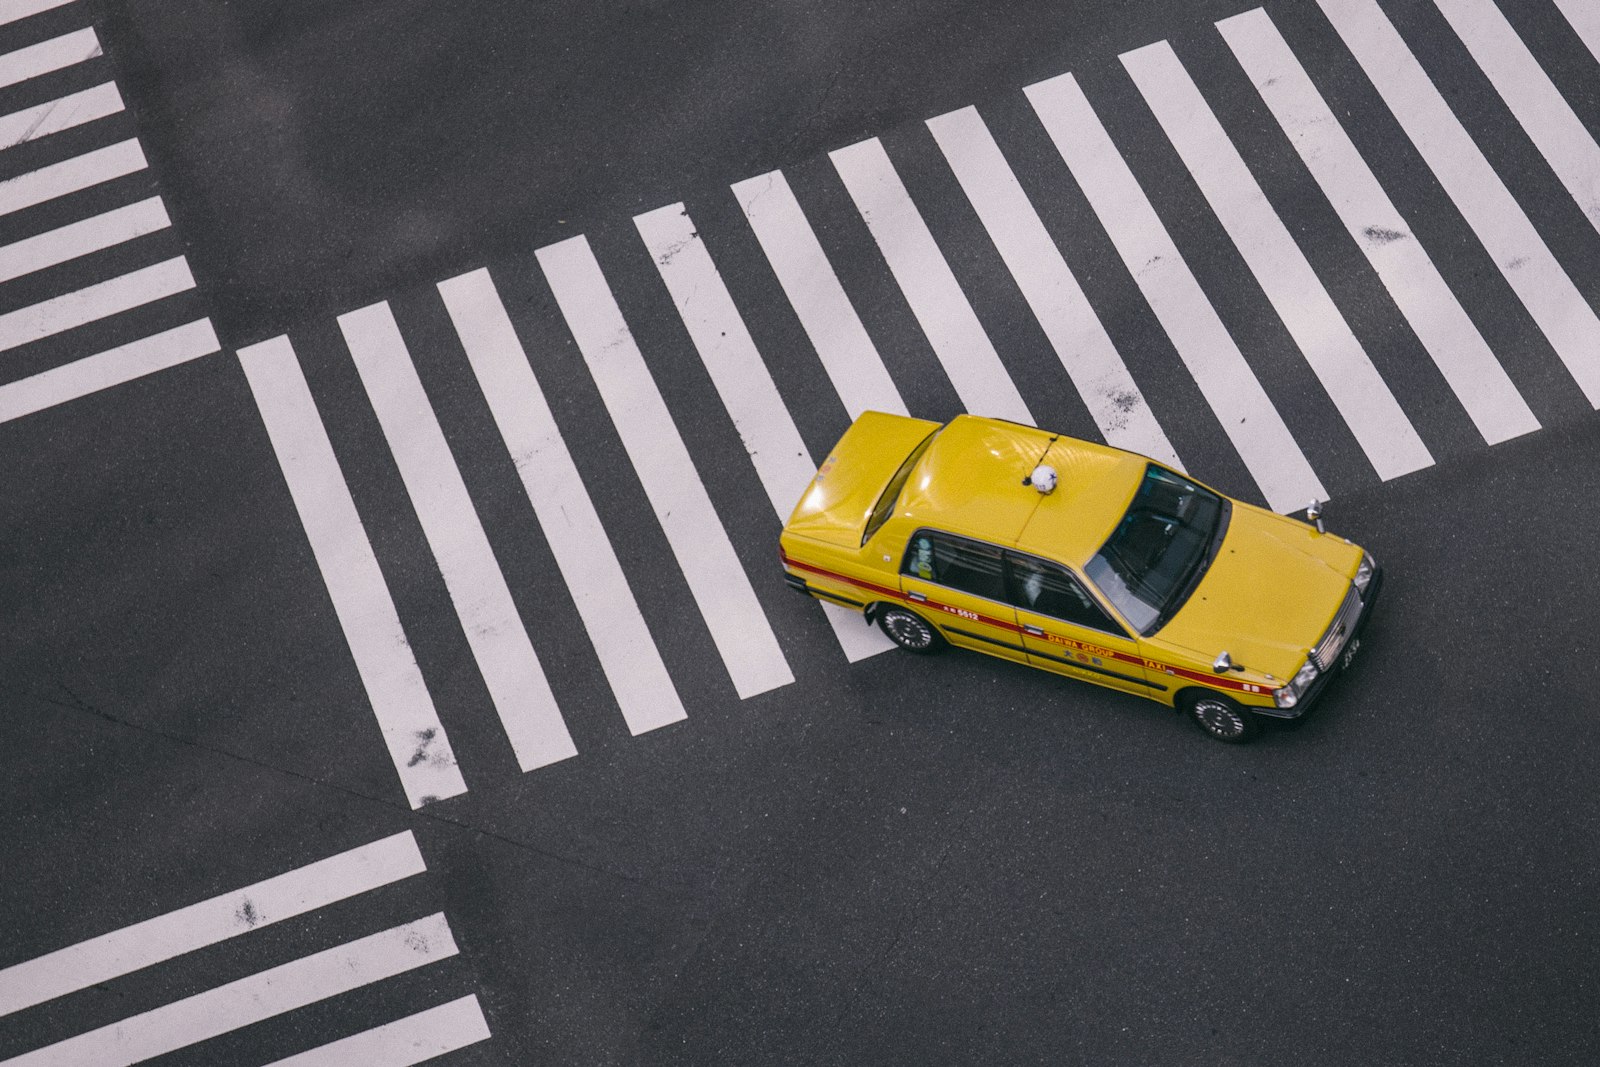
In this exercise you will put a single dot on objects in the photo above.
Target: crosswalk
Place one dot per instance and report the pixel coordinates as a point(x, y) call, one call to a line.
point(170, 942)
point(94, 289)
point(678, 332)
point(779, 216)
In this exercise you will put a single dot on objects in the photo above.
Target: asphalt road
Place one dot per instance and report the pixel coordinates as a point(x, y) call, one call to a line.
point(892, 861)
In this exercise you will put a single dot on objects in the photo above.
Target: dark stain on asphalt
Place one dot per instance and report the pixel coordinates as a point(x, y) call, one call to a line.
point(426, 738)
point(1381, 235)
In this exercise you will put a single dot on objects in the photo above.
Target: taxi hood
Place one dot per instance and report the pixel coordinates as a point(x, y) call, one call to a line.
point(836, 504)
point(1269, 595)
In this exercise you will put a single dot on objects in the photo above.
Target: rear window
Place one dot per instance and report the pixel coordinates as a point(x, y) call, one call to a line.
point(891, 492)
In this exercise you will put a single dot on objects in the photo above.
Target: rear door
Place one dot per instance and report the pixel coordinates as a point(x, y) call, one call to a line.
point(959, 585)
point(1064, 629)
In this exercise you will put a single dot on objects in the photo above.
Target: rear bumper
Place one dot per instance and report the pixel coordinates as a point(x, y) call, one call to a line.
point(801, 586)
point(1325, 679)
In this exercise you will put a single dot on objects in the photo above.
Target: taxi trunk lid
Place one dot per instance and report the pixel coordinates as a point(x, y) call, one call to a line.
point(835, 506)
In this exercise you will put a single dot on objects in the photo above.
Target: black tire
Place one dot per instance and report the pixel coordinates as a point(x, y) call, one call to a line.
point(909, 630)
point(1221, 719)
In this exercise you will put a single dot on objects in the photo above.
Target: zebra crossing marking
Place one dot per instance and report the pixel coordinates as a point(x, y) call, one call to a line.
point(411, 1040)
point(219, 918)
point(1533, 98)
point(1354, 385)
point(583, 553)
point(1544, 288)
point(930, 287)
point(746, 388)
point(253, 999)
point(71, 175)
point(505, 656)
point(1456, 347)
point(46, 56)
point(16, 10)
point(388, 668)
point(1207, 349)
point(718, 583)
point(827, 315)
point(106, 369)
point(92, 303)
point(82, 237)
point(1058, 302)
point(819, 300)
point(1585, 19)
point(41, 120)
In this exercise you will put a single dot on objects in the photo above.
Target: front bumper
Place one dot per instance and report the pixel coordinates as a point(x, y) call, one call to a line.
point(1325, 679)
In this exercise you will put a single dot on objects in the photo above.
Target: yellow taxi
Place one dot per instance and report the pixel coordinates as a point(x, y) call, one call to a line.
point(1080, 559)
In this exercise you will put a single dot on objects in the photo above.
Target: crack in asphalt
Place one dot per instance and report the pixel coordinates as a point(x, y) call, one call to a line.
point(911, 916)
point(78, 704)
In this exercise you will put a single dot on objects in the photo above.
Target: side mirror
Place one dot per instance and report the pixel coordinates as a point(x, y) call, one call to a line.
point(1314, 514)
point(1223, 664)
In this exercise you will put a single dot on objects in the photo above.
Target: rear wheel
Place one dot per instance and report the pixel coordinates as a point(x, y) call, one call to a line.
point(1222, 719)
point(909, 630)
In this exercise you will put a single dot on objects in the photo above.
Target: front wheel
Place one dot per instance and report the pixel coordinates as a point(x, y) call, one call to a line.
point(1222, 719)
point(909, 630)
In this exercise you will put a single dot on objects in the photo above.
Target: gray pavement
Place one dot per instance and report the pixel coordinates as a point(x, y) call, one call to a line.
point(891, 861)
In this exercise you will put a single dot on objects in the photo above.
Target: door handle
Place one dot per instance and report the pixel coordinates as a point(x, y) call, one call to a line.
point(918, 597)
point(1032, 631)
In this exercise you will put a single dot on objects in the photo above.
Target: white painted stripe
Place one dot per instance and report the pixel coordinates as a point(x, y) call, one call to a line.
point(250, 1000)
point(95, 302)
point(411, 730)
point(930, 287)
point(46, 56)
point(1585, 18)
point(719, 585)
point(105, 369)
point(1546, 291)
point(1226, 381)
point(1353, 384)
point(582, 551)
point(41, 120)
point(1080, 341)
point(477, 587)
point(813, 289)
point(414, 1039)
point(227, 915)
point(71, 175)
point(80, 238)
point(1453, 342)
point(744, 384)
point(1532, 97)
point(15, 10)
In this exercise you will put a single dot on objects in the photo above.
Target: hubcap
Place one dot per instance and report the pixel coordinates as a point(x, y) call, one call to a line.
point(909, 630)
point(1220, 719)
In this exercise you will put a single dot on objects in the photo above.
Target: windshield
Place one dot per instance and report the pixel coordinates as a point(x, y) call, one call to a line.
point(1161, 548)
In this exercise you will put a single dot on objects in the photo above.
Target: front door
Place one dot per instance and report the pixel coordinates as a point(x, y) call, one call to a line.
point(959, 585)
point(1064, 629)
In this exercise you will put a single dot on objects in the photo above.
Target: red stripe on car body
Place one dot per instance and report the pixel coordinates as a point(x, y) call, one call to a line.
point(1095, 650)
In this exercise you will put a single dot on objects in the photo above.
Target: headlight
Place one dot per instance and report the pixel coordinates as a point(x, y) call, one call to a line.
point(1363, 576)
point(1290, 695)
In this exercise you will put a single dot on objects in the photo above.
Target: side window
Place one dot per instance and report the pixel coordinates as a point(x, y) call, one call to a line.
point(1046, 589)
point(966, 566)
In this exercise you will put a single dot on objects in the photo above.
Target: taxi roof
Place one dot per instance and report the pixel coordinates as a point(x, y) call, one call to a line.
point(970, 482)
